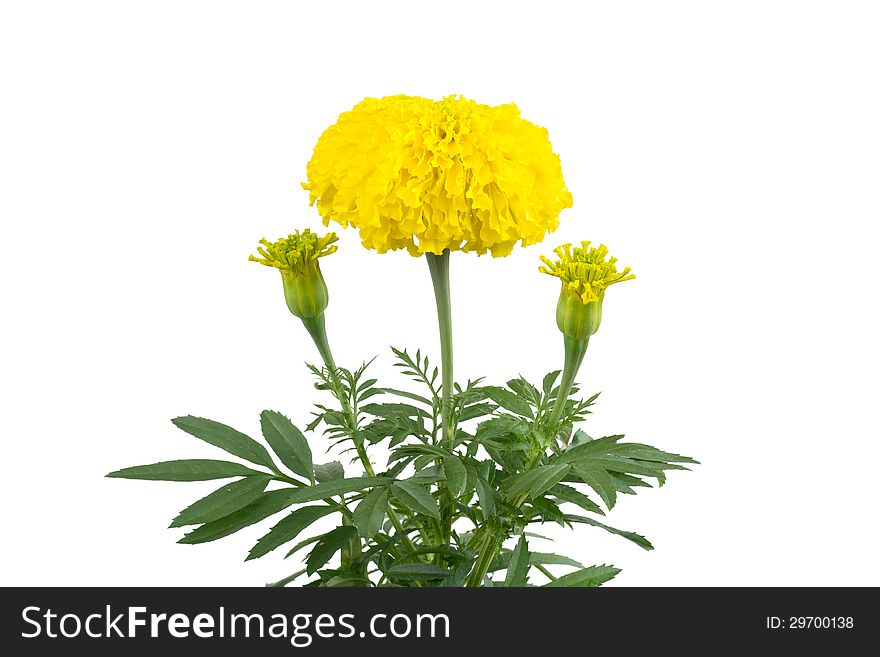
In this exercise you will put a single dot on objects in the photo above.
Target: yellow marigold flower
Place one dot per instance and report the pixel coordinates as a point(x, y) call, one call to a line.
point(296, 257)
point(426, 175)
point(586, 272)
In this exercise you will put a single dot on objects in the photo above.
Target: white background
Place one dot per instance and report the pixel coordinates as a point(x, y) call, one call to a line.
point(728, 151)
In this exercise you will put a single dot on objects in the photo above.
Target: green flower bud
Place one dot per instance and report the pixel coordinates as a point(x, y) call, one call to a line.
point(296, 256)
point(586, 272)
point(306, 294)
point(576, 319)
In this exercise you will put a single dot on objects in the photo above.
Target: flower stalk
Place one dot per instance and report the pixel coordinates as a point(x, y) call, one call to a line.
point(575, 350)
point(439, 267)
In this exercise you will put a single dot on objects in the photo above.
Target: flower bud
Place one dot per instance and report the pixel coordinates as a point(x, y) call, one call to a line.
point(585, 274)
point(296, 256)
point(576, 319)
point(306, 294)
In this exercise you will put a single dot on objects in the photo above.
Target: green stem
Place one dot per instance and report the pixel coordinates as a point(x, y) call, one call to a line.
point(439, 267)
point(574, 356)
point(317, 329)
point(546, 572)
point(489, 545)
point(575, 350)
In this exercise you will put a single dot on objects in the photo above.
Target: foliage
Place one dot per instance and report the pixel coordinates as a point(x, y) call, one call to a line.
point(439, 514)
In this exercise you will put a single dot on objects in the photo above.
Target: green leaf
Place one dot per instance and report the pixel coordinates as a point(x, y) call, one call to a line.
point(348, 580)
point(565, 493)
point(592, 576)
point(223, 501)
point(525, 390)
point(266, 505)
point(418, 571)
point(548, 559)
point(329, 471)
point(456, 475)
point(589, 449)
point(409, 395)
point(416, 498)
point(393, 409)
point(471, 477)
point(475, 411)
point(185, 470)
point(548, 382)
point(226, 438)
point(548, 510)
point(329, 544)
point(370, 513)
point(288, 443)
point(599, 480)
point(336, 487)
point(289, 528)
point(627, 466)
point(536, 481)
point(508, 400)
point(648, 453)
point(518, 568)
point(487, 497)
point(638, 539)
point(624, 483)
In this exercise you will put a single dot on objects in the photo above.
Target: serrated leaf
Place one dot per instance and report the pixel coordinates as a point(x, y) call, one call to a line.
point(348, 580)
point(456, 475)
point(266, 505)
point(393, 409)
point(508, 400)
point(638, 539)
point(548, 509)
point(329, 471)
point(475, 411)
point(589, 449)
point(549, 559)
point(328, 545)
point(223, 501)
point(592, 576)
point(518, 567)
point(536, 481)
point(418, 571)
point(470, 477)
point(524, 390)
point(409, 395)
point(486, 494)
point(626, 466)
point(549, 380)
point(624, 483)
point(226, 438)
point(370, 513)
point(599, 481)
point(648, 453)
point(568, 494)
point(336, 487)
point(288, 443)
point(415, 497)
point(288, 529)
point(185, 470)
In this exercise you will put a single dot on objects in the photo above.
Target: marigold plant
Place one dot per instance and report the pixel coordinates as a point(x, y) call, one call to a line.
point(472, 466)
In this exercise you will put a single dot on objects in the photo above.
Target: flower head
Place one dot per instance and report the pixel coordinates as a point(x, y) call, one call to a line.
point(586, 272)
point(296, 256)
point(426, 175)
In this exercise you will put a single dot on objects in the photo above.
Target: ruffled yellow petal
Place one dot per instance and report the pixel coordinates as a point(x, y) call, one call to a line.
point(424, 175)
